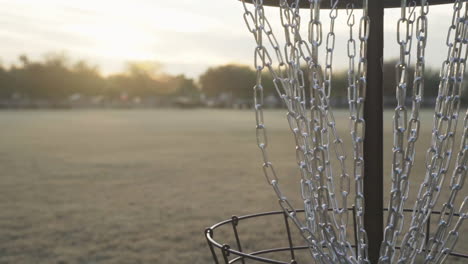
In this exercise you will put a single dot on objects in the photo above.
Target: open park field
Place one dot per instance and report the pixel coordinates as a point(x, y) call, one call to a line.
point(140, 186)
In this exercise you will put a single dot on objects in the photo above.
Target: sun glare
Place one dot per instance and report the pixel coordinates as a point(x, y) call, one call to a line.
point(130, 32)
point(117, 40)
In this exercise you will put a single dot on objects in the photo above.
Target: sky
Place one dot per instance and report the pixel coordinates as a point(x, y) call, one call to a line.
point(185, 36)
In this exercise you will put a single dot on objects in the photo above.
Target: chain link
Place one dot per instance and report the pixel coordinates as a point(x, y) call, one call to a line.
point(441, 239)
point(403, 156)
point(290, 85)
point(317, 152)
point(357, 85)
point(312, 131)
point(439, 155)
point(451, 239)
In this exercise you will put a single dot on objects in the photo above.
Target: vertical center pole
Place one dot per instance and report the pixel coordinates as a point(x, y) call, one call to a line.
point(373, 144)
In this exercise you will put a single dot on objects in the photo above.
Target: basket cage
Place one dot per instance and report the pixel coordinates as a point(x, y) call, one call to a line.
point(288, 246)
point(292, 247)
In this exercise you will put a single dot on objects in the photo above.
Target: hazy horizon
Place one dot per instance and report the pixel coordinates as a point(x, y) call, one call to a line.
point(186, 37)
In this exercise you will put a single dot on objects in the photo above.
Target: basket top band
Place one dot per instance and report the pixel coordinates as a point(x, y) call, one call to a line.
point(325, 4)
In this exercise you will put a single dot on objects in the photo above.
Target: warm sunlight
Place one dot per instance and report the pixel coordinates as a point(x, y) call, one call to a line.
point(185, 36)
point(116, 40)
point(131, 32)
point(170, 132)
point(111, 33)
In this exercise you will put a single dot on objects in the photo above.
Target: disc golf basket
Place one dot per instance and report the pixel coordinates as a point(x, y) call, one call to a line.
point(304, 82)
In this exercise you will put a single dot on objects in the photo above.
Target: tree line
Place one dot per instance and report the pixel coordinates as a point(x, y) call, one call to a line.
point(229, 78)
point(58, 80)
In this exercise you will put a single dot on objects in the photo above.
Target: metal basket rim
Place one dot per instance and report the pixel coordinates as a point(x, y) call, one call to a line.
point(227, 250)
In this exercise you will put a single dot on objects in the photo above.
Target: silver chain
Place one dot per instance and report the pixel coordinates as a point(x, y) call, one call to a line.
point(357, 85)
point(439, 155)
point(311, 134)
point(440, 239)
point(452, 238)
point(311, 131)
point(403, 157)
point(322, 121)
point(257, 25)
point(313, 126)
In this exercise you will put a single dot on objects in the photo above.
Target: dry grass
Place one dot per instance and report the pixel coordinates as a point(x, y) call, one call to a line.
point(139, 186)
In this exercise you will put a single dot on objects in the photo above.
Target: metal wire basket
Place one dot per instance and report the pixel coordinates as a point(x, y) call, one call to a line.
point(227, 254)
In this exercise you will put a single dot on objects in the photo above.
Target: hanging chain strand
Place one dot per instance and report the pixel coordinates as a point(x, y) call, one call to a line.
point(311, 133)
point(292, 101)
point(438, 156)
point(357, 94)
point(403, 157)
point(317, 154)
point(256, 24)
point(452, 238)
point(322, 122)
point(440, 239)
point(314, 129)
point(315, 163)
point(437, 241)
point(345, 180)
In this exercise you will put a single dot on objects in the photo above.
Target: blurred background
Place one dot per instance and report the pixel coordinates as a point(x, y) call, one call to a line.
point(127, 127)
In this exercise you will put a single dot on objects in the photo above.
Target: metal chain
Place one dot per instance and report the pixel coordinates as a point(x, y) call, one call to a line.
point(357, 96)
point(452, 238)
point(305, 53)
point(321, 103)
point(345, 180)
point(403, 157)
point(439, 155)
point(311, 133)
point(340, 212)
point(413, 127)
point(317, 154)
point(459, 173)
point(262, 60)
point(441, 239)
point(351, 50)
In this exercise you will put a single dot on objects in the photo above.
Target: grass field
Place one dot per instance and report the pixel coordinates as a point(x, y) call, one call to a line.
point(141, 186)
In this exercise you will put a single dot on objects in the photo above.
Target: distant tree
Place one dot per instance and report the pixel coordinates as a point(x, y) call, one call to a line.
point(47, 80)
point(235, 80)
point(7, 89)
point(56, 77)
point(186, 87)
point(139, 80)
point(86, 79)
